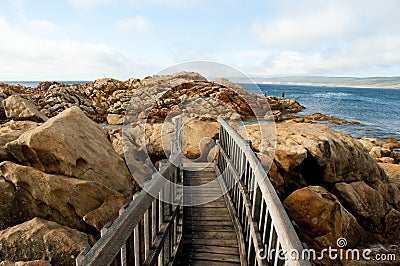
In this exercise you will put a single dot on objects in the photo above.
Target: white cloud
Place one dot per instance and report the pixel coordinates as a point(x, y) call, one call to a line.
point(305, 30)
point(137, 24)
point(27, 56)
point(329, 38)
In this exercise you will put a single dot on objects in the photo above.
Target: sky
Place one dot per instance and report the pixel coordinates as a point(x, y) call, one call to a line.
point(90, 39)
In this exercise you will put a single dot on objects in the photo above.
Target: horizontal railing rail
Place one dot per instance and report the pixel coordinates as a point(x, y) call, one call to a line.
point(268, 234)
point(148, 230)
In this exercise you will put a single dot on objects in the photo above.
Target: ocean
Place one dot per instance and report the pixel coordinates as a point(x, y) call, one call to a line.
point(377, 110)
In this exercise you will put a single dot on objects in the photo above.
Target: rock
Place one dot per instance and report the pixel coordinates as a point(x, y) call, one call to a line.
point(213, 154)
point(390, 192)
point(367, 204)
point(26, 263)
point(115, 119)
point(158, 138)
point(308, 154)
point(369, 143)
point(59, 97)
point(392, 225)
point(331, 119)
point(284, 106)
point(3, 96)
point(193, 132)
point(392, 170)
point(71, 144)
point(28, 193)
point(378, 152)
point(322, 219)
point(18, 108)
point(205, 146)
point(101, 91)
point(38, 239)
point(11, 131)
point(385, 160)
point(115, 136)
point(273, 172)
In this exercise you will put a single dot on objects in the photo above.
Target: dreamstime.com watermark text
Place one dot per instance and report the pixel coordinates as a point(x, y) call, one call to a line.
point(328, 253)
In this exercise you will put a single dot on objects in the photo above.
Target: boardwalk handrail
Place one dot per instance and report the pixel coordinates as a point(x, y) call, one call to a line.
point(148, 230)
point(268, 234)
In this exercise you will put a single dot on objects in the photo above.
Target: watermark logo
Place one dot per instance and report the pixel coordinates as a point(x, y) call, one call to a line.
point(341, 242)
point(331, 253)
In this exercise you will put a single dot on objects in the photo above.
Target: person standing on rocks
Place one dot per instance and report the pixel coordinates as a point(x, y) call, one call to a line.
point(283, 95)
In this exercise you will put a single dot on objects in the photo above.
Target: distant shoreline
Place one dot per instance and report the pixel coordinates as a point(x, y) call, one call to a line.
point(329, 85)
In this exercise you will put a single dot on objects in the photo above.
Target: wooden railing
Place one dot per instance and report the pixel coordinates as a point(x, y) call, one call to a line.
point(268, 236)
point(148, 230)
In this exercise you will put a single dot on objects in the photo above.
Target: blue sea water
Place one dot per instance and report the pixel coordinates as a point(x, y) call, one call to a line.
point(378, 110)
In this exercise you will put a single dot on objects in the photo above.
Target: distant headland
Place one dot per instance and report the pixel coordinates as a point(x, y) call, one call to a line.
point(365, 82)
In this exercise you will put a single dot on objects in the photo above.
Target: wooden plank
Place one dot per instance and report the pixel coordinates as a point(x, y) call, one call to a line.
point(211, 223)
point(215, 257)
point(212, 235)
point(214, 242)
point(212, 263)
point(213, 249)
point(208, 228)
point(209, 218)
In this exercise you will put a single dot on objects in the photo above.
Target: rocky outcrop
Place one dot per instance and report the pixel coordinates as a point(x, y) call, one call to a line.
point(71, 144)
point(285, 106)
point(60, 97)
point(111, 95)
point(18, 108)
point(162, 96)
point(28, 193)
point(342, 175)
point(322, 218)
point(383, 151)
point(39, 239)
point(318, 155)
point(318, 117)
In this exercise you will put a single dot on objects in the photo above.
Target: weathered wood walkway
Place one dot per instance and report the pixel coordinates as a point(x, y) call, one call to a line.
point(209, 236)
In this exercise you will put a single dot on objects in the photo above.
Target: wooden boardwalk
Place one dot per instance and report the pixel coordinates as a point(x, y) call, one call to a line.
point(209, 236)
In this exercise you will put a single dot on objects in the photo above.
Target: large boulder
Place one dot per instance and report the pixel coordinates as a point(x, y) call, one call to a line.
point(26, 193)
point(366, 203)
point(73, 145)
point(323, 219)
point(39, 239)
point(196, 135)
point(18, 108)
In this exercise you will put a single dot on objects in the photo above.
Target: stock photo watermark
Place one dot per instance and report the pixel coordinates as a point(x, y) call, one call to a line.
point(331, 253)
